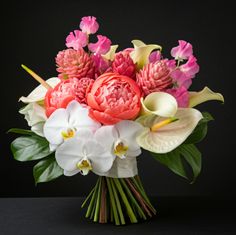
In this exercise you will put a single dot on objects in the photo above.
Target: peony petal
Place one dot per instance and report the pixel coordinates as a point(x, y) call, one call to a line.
point(55, 124)
point(110, 55)
point(159, 103)
point(123, 168)
point(204, 95)
point(141, 52)
point(40, 91)
point(170, 136)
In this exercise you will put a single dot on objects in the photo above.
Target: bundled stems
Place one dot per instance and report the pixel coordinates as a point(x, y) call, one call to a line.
point(118, 200)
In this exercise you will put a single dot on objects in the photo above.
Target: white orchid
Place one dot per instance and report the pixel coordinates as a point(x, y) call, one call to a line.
point(83, 154)
point(40, 91)
point(120, 140)
point(63, 124)
point(35, 117)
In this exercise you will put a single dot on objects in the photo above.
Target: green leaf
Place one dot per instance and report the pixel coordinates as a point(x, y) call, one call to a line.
point(28, 148)
point(174, 160)
point(21, 131)
point(200, 131)
point(47, 170)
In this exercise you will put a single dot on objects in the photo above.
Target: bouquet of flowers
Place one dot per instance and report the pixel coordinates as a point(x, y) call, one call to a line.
point(103, 108)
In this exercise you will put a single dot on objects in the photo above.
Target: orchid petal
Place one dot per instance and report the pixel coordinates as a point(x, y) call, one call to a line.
point(110, 55)
point(159, 103)
point(204, 95)
point(40, 91)
point(141, 52)
point(71, 173)
point(170, 136)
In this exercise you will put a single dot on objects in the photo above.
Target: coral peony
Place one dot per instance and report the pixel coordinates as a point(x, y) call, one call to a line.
point(77, 40)
point(89, 25)
point(102, 46)
point(124, 65)
point(113, 98)
point(74, 64)
point(154, 77)
point(66, 91)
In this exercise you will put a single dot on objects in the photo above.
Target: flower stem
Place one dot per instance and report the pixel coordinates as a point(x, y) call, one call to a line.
point(98, 200)
point(87, 198)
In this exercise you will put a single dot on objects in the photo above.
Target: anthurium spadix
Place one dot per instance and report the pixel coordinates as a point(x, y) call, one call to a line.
point(63, 124)
point(120, 140)
point(141, 52)
point(204, 95)
point(39, 92)
point(163, 135)
point(83, 153)
point(159, 103)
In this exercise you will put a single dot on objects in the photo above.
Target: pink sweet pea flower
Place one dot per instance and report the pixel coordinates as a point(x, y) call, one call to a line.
point(102, 46)
point(101, 64)
point(89, 25)
point(181, 95)
point(184, 74)
point(76, 40)
point(155, 56)
point(183, 51)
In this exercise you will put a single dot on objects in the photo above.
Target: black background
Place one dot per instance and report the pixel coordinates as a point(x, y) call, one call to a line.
point(33, 32)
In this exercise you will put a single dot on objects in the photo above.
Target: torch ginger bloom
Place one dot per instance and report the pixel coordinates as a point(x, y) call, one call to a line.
point(89, 25)
point(102, 46)
point(113, 98)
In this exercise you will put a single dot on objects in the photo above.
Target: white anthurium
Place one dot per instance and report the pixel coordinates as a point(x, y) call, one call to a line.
point(63, 124)
point(202, 96)
point(162, 135)
point(159, 103)
point(141, 52)
point(40, 91)
point(35, 117)
point(83, 154)
point(120, 140)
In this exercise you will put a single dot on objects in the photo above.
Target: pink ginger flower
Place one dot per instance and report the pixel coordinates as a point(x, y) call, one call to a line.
point(183, 51)
point(102, 46)
point(181, 95)
point(155, 56)
point(183, 74)
point(89, 25)
point(77, 40)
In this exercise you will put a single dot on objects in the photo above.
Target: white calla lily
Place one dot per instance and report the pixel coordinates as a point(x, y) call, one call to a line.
point(110, 55)
point(202, 96)
point(63, 124)
point(159, 103)
point(167, 137)
point(39, 92)
point(83, 154)
point(120, 140)
point(35, 117)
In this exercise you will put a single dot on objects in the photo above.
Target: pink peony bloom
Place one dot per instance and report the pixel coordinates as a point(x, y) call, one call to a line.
point(101, 64)
point(181, 95)
point(66, 91)
point(76, 40)
point(102, 46)
point(89, 25)
point(184, 74)
point(183, 51)
point(113, 98)
point(155, 56)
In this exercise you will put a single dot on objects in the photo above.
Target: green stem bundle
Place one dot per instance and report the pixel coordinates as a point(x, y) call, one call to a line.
point(118, 200)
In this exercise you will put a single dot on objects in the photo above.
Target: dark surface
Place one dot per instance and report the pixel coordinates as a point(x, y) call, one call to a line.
point(32, 32)
point(61, 216)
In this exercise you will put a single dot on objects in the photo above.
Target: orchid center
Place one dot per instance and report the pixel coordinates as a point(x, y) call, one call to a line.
point(163, 123)
point(84, 165)
point(69, 133)
point(120, 149)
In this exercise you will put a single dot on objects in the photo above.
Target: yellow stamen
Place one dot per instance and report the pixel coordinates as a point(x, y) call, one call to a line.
point(120, 149)
point(68, 134)
point(85, 166)
point(36, 77)
point(165, 122)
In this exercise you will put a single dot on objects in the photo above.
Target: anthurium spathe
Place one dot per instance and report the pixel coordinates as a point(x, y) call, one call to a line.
point(162, 135)
point(40, 91)
point(83, 154)
point(63, 124)
point(159, 103)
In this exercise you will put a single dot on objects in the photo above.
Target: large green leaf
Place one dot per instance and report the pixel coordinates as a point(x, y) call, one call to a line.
point(200, 131)
point(174, 160)
point(47, 170)
point(28, 148)
point(21, 131)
